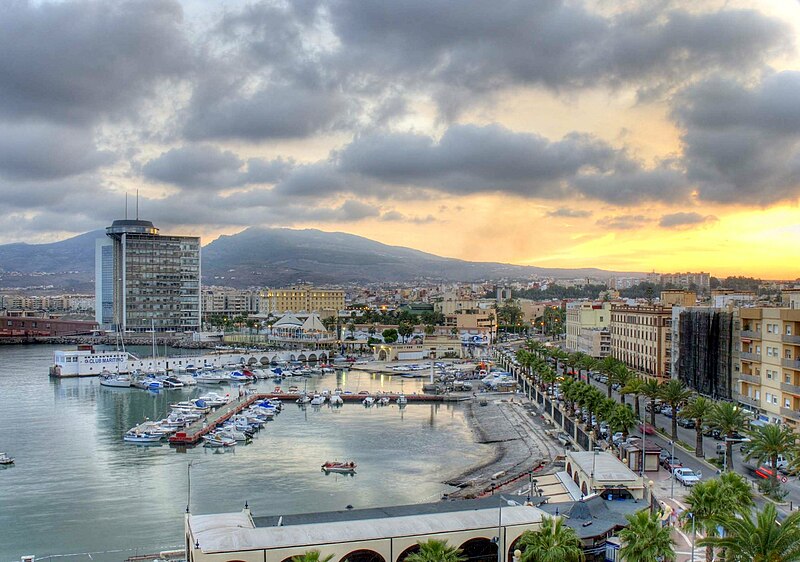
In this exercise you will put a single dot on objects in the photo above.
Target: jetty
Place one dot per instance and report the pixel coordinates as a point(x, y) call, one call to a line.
point(194, 432)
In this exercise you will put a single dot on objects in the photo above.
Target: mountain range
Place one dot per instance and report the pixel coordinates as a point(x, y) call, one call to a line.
point(270, 257)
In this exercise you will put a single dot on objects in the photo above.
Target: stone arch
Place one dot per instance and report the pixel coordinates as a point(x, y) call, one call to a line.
point(512, 548)
point(584, 489)
point(312, 357)
point(302, 357)
point(252, 361)
point(292, 357)
point(576, 478)
point(274, 359)
point(479, 550)
point(569, 469)
point(264, 360)
point(407, 552)
point(363, 555)
point(382, 355)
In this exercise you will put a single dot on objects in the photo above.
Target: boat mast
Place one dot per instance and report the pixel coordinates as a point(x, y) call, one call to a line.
point(152, 329)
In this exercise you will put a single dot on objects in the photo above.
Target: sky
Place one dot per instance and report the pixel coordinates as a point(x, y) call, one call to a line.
point(632, 135)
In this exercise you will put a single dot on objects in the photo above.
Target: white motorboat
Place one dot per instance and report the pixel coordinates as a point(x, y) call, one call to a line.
point(115, 380)
point(303, 400)
point(383, 401)
point(218, 440)
point(172, 382)
point(211, 378)
point(141, 437)
point(233, 433)
point(317, 400)
point(5, 459)
point(196, 405)
point(402, 399)
point(213, 399)
point(336, 400)
point(341, 467)
point(187, 380)
point(368, 401)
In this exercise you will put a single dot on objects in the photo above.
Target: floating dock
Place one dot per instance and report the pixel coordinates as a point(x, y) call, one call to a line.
point(193, 433)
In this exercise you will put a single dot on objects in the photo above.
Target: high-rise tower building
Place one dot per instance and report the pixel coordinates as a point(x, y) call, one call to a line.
point(144, 279)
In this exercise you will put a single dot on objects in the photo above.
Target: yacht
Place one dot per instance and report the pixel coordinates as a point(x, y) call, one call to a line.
point(218, 440)
point(5, 459)
point(196, 405)
point(172, 382)
point(187, 380)
point(143, 437)
point(303, 400)
point(114, 380)
point(368, 401)
point(402, 399)
point(213, 399)
point(317, 400)
point(211, 378)
point(336, 400)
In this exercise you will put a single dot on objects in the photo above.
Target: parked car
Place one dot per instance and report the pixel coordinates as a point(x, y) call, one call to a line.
point(664, 454)
point(617, 437)
point(671, 463)
point(686, 422)
point(686, 476)
point(647, 429)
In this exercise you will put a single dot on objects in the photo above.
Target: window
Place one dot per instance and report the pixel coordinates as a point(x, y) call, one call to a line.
point(787, 403)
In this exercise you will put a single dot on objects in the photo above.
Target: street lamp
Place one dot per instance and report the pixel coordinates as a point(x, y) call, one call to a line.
point(694, 534)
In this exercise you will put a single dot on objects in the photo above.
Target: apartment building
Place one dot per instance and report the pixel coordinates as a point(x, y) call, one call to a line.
point(301, 299)
point(641, 338)
point(588, 328)
point(768, 379)
point(229, 302)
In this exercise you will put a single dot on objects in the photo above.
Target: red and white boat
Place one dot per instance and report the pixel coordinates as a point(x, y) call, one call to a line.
point(344, 467)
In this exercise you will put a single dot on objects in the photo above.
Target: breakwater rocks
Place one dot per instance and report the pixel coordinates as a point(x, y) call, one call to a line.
point(519, 442)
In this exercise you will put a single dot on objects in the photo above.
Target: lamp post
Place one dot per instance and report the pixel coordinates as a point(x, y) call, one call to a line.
point(672, 470)
point(694, 534)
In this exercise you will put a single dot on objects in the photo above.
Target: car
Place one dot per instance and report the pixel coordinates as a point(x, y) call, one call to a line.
point(686, 476)
point(664, 454)
point(647, 429)
point(617, 437)
point(671, 463)
point(686, 422)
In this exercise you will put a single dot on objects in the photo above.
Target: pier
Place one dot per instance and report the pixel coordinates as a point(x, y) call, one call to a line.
point(193, 433)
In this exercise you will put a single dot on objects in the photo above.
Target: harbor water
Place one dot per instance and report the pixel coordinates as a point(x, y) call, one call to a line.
point(77, 488)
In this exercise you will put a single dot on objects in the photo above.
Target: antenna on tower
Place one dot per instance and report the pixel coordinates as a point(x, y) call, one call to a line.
point(137, 204)
point(126, 205)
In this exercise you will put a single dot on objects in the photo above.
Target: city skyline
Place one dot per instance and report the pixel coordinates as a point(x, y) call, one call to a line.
point(660, 136)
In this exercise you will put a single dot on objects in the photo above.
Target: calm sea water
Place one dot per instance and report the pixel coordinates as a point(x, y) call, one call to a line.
point(77, 488)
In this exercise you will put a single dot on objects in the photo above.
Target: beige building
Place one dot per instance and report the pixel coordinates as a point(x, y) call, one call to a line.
point(641, 338)
point(229, 302)
point(678, 298)
point(475, 323)
point(437, 346)
point(301, 299)
point(588, 328)
point(531, 310)
point(768, 380)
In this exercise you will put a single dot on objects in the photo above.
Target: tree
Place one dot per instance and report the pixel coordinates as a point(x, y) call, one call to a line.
point(634, 388)
point(436, 551)
point(674, 394)
point(620, 375)
point(767, 442)
point(552, 542)
point(405, 329)
point(727, 418)
point(607, 365)
point(645, 540)
point(651, 389)
point(709, 501)
point(759, 539)
point(312, 556)
point(389, 335)
point(698, 409)
point(429, 329)
point(622, 419)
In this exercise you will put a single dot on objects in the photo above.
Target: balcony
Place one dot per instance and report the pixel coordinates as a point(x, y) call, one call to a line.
point(791, 339)
point(750, 379)
point(789, 413)
point(751, 335)
point(750, 356)
point(755, 402)
point(788, 387)
point(791, 364)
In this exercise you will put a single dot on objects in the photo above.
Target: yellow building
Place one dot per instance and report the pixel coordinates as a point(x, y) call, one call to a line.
point(301, 299)
point(678, 297)
point(587, 328)
point(768, 380)
point(641, 338)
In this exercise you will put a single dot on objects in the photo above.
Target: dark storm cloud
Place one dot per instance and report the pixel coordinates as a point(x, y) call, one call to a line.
point(42, 151)
point(685, 220)
point(80, 61)
point(206, 166)
point(741, 141)
point(564, 212)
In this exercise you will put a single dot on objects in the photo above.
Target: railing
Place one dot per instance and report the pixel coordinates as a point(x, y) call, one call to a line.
point(748, 400)
point(791, 364)
point(789, 387)
point(750, 334)
point(789, 413)
point(790, 339)
point(752, 379)
point(750, 356)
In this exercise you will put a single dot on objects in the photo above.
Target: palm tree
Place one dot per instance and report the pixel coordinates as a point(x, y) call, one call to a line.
point(767, 442)
point(674, 393)
point(711, 500)
point(311, 556)
point(762, 539)
point(560, 356)
point(607, 365)
point(634, 387)
point(552, 542)
point(651, 389)
point(699, 408)
point(622, 419)
point(620, 375)
point(436, 551)
point(645, 540)
point(727, 418)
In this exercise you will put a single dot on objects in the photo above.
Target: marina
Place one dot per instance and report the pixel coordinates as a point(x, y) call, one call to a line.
point(74, 440)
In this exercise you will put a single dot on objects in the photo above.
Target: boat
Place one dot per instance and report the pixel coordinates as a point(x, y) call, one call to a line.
point(196, 405)
point(218, 440)
point(213, 399)
point(368, 401)
point(317, 400)
point(211, 378)
point(342, 467)
point(114, 380)
point(143, 437)
point(303, 400)
point(187, 380)
point(231, 432)
point(5, 459)
point(383, 401)
point(172, 382)
point(336, 400)
point(401, 399)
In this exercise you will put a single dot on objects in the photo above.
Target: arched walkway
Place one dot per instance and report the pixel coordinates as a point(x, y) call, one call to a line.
point(302, 357)
point(479, 550)
point(252, 361)
point(382, 355)
point(363, 556)
point(410, 550)
point(264, 360)
point(312, 357)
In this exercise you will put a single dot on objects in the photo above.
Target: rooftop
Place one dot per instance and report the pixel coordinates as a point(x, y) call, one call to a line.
point(605, 466)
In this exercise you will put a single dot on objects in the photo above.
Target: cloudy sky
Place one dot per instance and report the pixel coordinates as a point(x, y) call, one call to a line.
point(630, 135)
